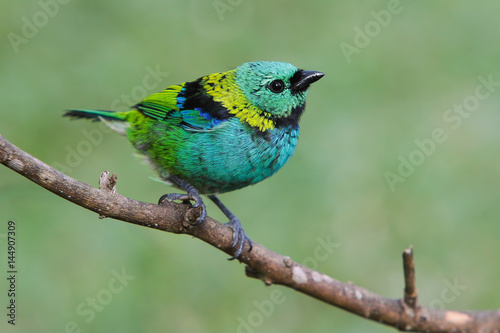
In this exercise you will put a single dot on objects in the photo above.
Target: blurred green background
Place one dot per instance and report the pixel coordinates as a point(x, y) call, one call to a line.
point(409, 69)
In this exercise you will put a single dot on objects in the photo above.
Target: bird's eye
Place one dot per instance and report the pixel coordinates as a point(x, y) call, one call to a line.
point(276, 86)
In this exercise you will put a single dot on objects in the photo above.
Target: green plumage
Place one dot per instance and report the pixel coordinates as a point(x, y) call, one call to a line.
point(221, 132)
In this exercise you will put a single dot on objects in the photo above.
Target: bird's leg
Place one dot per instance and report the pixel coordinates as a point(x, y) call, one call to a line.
point(239, 235)
point(192, 194)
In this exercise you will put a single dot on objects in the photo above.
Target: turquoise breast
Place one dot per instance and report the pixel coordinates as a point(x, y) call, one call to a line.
point(232, 157)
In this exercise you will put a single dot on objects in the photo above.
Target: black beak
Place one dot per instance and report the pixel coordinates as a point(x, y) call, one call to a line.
point(303, 79)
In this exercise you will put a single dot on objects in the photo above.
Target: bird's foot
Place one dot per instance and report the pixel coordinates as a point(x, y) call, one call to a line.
point(191, 195)
point(239, 237)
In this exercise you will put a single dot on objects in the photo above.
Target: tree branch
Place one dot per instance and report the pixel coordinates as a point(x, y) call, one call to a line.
point(410, 297)
point(272, 268)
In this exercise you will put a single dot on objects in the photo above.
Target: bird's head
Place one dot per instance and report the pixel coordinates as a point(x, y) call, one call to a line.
point(275, 87)
point(264, 94)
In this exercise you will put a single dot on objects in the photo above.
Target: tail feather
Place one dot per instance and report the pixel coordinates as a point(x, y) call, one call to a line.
point(114, 120)
point(95, 115)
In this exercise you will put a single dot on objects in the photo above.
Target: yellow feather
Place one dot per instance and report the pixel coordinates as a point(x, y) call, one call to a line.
point(223, 88)
point(167, 97)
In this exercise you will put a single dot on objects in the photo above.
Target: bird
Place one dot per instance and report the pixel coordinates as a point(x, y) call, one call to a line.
point(219, 133)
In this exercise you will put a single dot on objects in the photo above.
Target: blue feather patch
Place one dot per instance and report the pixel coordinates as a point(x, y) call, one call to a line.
point(198, 120)
point(180, 102)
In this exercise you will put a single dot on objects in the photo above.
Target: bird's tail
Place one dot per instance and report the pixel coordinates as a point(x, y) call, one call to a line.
point(96, 115)
point(117, 121)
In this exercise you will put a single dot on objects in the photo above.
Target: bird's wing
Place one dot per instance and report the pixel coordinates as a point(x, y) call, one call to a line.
point(187, 105)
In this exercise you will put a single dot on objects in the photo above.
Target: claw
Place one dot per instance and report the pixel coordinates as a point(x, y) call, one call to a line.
point(162, 198)
point(173, 196)
point(192, 195)
point(203, 214)
point(239, 238)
